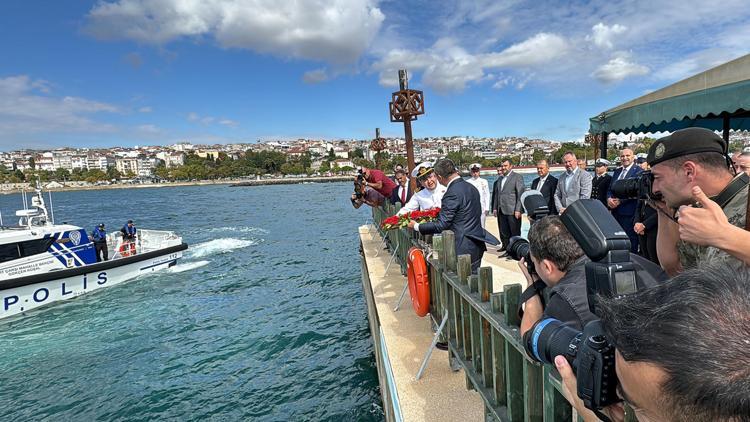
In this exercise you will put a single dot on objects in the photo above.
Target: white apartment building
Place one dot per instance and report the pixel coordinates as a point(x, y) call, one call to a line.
point(141, 167)
point(171, 159)
point(100, 162)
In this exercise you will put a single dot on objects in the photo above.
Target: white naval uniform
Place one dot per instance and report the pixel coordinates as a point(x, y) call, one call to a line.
point(424, 199)
point(484, 195)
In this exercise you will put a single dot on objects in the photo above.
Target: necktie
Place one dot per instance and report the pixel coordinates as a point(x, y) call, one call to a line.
point(622, 173)
point(403, 194)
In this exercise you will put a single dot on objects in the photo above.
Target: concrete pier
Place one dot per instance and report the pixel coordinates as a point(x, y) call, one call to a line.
point(401, 340)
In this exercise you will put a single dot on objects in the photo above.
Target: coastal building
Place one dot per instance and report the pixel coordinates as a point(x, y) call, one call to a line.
point(171, 159)
point(138, 166)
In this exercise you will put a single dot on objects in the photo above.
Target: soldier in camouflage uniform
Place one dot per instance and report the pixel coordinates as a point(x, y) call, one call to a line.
point(685, 165)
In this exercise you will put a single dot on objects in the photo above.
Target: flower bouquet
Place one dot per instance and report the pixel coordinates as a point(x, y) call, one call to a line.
point(400, 221)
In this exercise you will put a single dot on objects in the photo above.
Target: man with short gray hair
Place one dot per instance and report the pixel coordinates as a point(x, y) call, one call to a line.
point(572, 185)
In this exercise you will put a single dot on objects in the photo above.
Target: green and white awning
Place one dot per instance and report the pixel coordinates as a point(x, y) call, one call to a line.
point(712, 99)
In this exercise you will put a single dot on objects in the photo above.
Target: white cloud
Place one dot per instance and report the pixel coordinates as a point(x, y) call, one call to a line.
point(149, 129)
point(195, 117)
point(145, 109)
point(228, 122)
point(207, 120)
point(618, 68)
point(539, 49)
point(336, 31)
point(447, 67)
point(315, 76)
point(603, 35)
point(26, 106)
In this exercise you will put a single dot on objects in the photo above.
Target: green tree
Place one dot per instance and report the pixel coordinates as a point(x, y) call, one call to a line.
point(32, 163)
point(538, 155)
point(331, 155)
point(62, 174)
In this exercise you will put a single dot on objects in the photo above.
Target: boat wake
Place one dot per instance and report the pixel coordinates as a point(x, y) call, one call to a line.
point(215, 246)
point(187, 266)
point(239, 229)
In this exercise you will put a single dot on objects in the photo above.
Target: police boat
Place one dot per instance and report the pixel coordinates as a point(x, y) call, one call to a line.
point(42, 262)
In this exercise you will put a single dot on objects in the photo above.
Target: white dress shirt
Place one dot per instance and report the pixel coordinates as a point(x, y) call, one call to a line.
point(484, 191)
point(424, 200)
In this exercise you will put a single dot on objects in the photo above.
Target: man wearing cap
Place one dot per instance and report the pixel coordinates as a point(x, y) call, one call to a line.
point(403, 193)
point(704, 205)
point(460, 213)
point(624, 209)
point(572, 185)
point(483, 187)
point(546, 184)
point(601, 181)
point(429, 197)
point(100, 243)
point(506, 202)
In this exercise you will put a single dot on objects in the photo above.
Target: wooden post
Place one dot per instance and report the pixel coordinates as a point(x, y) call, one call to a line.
point(449, 246)
point(498, 356)
point(513, 359)
point(556, 407)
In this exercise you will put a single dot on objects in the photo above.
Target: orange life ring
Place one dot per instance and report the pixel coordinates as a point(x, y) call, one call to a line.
point(419, 282)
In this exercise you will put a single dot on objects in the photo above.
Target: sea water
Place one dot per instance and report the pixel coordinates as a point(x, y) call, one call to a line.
point(263, 318)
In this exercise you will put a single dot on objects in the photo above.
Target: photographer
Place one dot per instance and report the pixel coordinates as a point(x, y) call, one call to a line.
point(560, 263)
point(690, 170)
point(371, 187)
point(680, 349)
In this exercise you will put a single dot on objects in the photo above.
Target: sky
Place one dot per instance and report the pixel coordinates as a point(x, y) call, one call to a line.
point(155, 72)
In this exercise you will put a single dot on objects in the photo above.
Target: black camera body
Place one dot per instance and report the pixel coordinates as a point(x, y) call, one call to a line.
point(611, 274)
point(359, 185)
point(639, 187)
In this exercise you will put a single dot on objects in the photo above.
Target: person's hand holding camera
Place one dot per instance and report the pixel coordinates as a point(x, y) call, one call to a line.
point(525, 271)
point(615, 412)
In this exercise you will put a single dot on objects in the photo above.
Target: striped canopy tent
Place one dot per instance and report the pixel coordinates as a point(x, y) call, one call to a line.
point(717, 99)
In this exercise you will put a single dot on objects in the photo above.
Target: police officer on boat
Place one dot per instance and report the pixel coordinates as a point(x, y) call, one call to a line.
point(100, 243)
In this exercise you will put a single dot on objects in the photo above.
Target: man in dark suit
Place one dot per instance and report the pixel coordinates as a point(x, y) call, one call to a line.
point(601, 182)
point(506, 202)
point(545, 184)
point(402, 194)
point(624, 209)
point(461, 211)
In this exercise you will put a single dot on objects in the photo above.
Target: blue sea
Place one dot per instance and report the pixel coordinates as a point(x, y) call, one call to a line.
point(263, 319)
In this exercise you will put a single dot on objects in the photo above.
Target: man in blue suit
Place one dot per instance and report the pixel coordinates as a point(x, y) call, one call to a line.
point(402, 193)
point(624, 209)
point(461, 211)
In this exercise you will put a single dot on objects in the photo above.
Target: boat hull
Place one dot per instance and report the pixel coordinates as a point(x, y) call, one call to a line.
point(22, 295)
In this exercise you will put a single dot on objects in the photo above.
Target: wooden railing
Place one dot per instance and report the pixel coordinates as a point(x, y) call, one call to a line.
point(482, 331)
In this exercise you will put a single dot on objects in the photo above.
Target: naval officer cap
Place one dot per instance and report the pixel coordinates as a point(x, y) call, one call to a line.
point(475, 166)
point(692, 140)
point(602, 162)
point(422, 170)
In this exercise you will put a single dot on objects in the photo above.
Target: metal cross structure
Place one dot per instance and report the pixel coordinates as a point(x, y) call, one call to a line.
point(406, 104)
point(378, 144)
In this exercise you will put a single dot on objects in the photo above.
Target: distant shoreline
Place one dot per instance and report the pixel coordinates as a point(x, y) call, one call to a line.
point(242, 182)
point(231, 182)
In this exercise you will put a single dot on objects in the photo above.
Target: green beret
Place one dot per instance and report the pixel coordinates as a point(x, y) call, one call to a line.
point(687, 141)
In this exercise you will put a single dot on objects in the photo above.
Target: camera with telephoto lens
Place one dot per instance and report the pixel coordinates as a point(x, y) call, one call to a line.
point(518, 248)
point(359, 185)
point(610, 274)
point(638, 187)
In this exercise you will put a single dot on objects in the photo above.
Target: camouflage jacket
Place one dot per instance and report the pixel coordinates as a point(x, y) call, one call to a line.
point(693, 255)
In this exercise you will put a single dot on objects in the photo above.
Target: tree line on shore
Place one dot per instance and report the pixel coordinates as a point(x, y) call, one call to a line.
point(257, 163)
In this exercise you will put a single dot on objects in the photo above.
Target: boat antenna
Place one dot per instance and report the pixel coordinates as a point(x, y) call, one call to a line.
point(51, 208)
